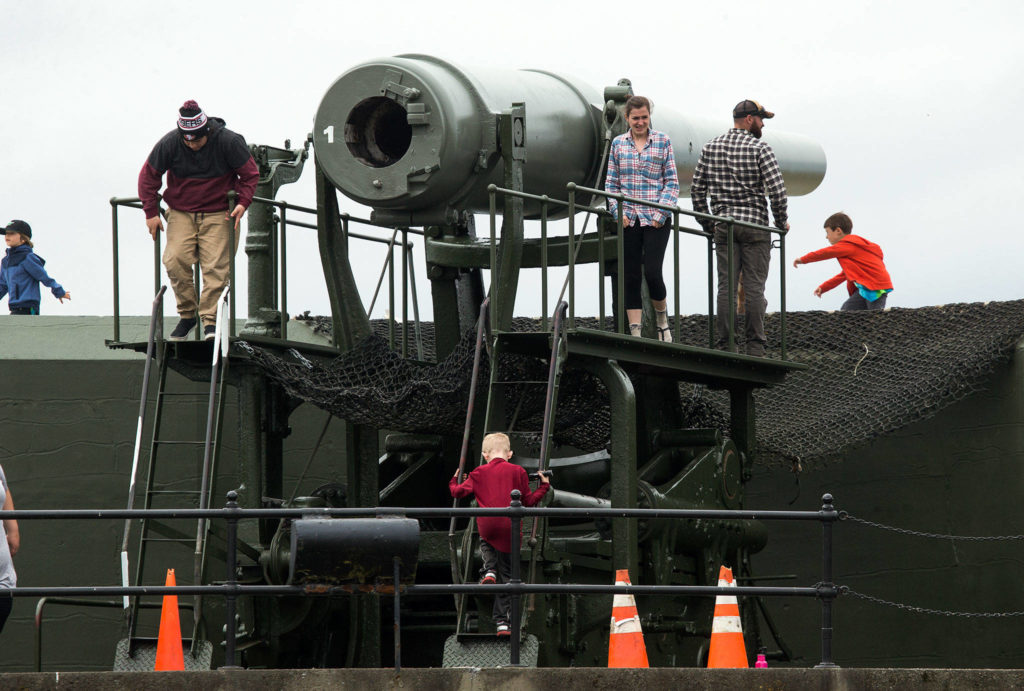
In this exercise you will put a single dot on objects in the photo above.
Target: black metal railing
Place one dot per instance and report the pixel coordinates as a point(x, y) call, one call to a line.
point(231, 589)
point(279, 252)
point(678, 230)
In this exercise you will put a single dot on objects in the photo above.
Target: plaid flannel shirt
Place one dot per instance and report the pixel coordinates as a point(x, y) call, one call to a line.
point(738, 170)
point(649, 175)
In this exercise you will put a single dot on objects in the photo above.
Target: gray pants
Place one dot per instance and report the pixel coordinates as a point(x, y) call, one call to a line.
point(857, 302)
point(751, 255)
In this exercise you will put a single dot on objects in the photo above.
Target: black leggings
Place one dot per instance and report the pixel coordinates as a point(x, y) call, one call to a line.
point(644, 246)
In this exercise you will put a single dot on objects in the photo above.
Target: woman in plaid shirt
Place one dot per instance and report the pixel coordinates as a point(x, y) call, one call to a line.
point(641, 165)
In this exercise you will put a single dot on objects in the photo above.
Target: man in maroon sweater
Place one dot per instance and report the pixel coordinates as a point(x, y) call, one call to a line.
point(492, 483)
point(860, 260)
point(204, 161)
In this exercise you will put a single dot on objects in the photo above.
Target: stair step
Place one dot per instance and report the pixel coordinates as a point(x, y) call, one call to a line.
point(487, 650)
point(144, 656)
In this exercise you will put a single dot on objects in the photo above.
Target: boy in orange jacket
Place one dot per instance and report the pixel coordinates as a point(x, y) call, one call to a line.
point(867, 280)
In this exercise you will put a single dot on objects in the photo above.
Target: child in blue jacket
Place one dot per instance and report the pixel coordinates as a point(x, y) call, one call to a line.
point(21, 272)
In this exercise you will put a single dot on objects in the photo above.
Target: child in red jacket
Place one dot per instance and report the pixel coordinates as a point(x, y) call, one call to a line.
point(492, 483)
point(867, 280)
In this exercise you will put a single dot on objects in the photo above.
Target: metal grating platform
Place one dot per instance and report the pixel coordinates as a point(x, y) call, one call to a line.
point(487, 650)
point(145, 656)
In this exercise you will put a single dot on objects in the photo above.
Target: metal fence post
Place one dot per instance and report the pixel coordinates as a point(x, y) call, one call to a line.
point(782, 293)
point(235, 234)
point(827, 589)
point(732, 286)
point(232, 581)
point(398, 620)
point(117, 272)
point(283, 271)
point(517, 522)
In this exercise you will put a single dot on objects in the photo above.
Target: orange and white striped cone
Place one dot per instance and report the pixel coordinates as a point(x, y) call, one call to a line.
point(727, 648)
point(626, 639)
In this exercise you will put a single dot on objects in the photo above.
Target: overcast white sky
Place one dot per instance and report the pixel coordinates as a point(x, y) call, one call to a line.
point(916, 105)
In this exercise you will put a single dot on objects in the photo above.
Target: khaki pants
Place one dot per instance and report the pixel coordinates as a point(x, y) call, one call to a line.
point(206, 238)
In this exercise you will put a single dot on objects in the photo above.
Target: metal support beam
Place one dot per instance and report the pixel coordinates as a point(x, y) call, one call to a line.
point(505, 275)
point(742, 426)
point(622, 400)
point(350, 321)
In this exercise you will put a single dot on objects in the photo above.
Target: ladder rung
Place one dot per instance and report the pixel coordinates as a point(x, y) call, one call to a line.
point(175, 491)
point(204, 394)
point(179, 443)
point(179, 540)
point(524, 381)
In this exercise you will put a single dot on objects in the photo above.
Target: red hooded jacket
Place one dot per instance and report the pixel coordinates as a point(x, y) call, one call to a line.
point(492, 483)
point(860, 260)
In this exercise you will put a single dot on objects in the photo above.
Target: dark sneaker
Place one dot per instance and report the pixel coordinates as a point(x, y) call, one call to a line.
point(504, 629)
point(756, 349)
point(183, 329)
point(209, 332)
point(489, 577)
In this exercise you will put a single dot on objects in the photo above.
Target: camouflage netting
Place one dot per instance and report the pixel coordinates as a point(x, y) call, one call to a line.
point(868, 374)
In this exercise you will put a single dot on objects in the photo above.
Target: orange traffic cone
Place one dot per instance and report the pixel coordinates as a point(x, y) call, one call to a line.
point(727, 648)
point(169, 656)
point(626, 639)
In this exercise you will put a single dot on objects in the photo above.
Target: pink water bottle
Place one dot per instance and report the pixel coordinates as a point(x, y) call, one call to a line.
point(761, 663)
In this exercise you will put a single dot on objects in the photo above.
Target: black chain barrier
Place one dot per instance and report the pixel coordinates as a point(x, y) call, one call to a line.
point(845, 590)
point(844, 516)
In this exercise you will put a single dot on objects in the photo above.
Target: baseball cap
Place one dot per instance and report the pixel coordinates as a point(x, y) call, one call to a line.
point(18, 227)
point(749, 107)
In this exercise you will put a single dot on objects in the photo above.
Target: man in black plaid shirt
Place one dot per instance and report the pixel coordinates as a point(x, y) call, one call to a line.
point(737, 170)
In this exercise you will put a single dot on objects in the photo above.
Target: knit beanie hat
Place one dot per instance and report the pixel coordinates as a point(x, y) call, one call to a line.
point(193, 123)
point(19, 227)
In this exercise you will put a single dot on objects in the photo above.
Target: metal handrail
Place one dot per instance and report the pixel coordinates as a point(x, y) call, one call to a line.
point(281, 256)
point(675, 213)
point(481, 326)
point(731, 224)
point(73, 602)
point(231, 589)
point(136, 203)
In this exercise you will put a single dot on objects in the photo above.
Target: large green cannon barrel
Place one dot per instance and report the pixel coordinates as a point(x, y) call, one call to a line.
point(414, 136)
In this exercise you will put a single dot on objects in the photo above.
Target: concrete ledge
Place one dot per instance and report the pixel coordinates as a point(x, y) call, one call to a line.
point(560, 679)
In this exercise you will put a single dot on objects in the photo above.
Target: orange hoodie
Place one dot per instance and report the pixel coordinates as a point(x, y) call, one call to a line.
point(860, 260)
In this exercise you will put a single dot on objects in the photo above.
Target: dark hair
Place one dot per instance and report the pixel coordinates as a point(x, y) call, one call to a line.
point(636, 103)
point(841, 221)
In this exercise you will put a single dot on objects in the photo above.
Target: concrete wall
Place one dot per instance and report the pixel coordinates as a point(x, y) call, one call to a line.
point(68, 414)
point(959, 473)
point(469, 679)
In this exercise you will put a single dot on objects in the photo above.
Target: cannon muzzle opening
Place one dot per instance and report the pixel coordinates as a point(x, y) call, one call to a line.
point(377, 131)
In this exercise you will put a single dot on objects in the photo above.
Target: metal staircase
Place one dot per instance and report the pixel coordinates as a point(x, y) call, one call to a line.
point(485, 649)
point(169, 484)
